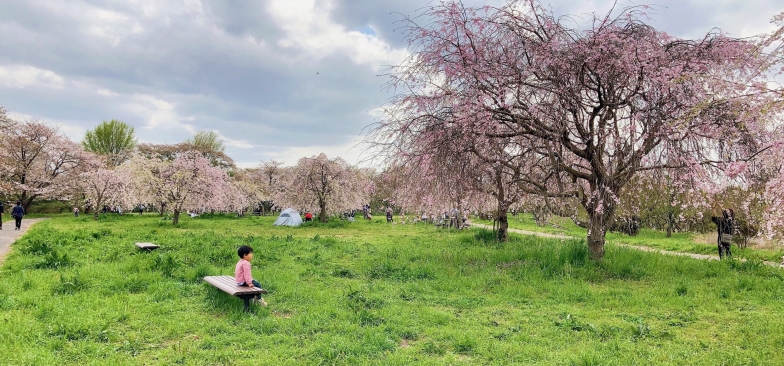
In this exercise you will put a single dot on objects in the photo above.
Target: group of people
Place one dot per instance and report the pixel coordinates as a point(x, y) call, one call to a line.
point(17, 213)
point(451, 218)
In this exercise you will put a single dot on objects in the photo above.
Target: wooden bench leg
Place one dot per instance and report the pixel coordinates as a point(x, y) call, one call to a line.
point(246, 299)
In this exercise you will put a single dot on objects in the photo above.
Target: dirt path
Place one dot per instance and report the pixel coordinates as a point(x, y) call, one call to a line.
point(526, 232)
point(645, 249)
point(8, 235)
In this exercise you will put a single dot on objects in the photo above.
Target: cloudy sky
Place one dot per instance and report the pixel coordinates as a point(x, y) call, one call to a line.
point(277, 79)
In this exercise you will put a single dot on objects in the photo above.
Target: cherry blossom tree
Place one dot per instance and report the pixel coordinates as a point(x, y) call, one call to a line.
point(247, 191)
point(327, 185)
point(269, 175)
point(106, 186)
point(38, 162)
point(448, 174)
point(188, 182)
point(590, 106)
point(6, 123)
point(217, 158)
point(770, 172)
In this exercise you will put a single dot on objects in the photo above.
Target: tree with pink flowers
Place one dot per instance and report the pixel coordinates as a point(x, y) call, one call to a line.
point(590, 105)
point(106, 187)
point(186, 183)
point(36, 161)
point(325, 185)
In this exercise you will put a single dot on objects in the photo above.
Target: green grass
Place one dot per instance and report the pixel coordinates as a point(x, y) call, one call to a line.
point(74, 291)
point(683, 242)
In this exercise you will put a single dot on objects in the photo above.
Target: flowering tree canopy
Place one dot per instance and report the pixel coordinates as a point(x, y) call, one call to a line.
point(217, 158)
point(106, 187)
point(323, 184)
point(587, 107)
point(38, 162)
point(188, 182)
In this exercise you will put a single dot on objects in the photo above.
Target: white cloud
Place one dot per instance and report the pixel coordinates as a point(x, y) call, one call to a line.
point(23, 76)
point(242, 144)
point(162, 123)
point(350, 152)
point(310, 29)
point(245, 69)
point(74, 130)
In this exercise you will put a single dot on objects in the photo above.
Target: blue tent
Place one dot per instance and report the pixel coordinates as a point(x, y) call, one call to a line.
point(289, 217)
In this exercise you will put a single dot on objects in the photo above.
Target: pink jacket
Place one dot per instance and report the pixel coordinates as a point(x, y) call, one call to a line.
point(242, 273)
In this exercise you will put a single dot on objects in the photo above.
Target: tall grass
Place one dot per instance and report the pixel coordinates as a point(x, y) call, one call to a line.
point(74, 291)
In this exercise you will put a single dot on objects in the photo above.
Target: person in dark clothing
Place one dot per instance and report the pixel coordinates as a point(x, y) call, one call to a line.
point(726, 228)
point(17, 213)
point(2, 210)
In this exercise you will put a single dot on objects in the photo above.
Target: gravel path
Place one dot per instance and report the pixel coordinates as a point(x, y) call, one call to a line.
point(645, 249)
point(8, 235)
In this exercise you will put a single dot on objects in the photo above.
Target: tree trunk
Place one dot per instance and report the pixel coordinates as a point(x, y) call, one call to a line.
point(95, 215)
point(27, 201)
point(596, 230)
point(176, 218)
point(669, 223)
point(323, 212)
point(503, 223)
point(598, 223)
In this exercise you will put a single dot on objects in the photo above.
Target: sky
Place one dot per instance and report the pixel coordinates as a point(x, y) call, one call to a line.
point(276, 79)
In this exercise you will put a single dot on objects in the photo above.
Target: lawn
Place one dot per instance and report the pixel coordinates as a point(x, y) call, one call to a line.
point(685, 242)
point(74, 291)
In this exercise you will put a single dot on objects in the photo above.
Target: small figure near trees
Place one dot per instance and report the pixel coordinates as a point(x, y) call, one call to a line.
point(726, 229)
point(366, 211)
point(308, 216)
point(389, 214)
point(17, 213)
point(2, 209)
point(76, 211)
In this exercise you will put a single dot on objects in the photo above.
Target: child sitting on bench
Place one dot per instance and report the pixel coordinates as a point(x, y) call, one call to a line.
point(242, 271)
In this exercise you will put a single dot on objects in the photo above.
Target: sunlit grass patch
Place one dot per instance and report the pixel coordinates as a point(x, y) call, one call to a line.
point(371, 293)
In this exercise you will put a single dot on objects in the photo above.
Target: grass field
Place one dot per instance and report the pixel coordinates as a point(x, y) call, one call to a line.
point(74, 291)
point(685, 242)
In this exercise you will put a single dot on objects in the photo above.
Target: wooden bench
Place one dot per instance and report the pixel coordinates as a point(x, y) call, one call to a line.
point(148, 246)
point(229, 285)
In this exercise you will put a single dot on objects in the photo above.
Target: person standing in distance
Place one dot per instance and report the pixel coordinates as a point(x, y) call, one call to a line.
point(726, 226)
point(17, 213)
point(2, 209)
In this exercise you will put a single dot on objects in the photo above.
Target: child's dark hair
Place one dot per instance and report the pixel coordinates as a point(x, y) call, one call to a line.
point(244, 250)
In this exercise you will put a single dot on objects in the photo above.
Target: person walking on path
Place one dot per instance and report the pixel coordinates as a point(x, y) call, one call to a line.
point(2, 209)
point(17, 213)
